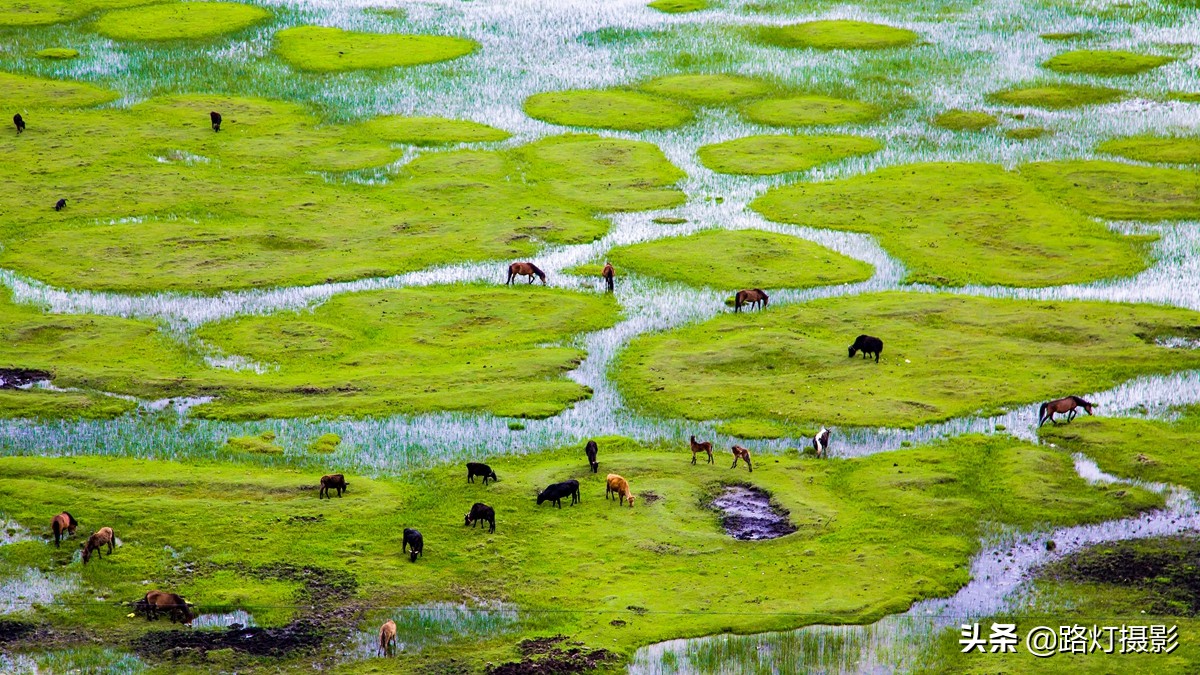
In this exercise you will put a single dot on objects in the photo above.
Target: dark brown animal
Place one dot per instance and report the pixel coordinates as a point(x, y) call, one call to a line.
point(481, 512)
point(414, 542)
point(215, 117)
point(170, 603)
point(477, 469)
point(387, 638)
point(525, 269)
point(63, 522)
point(555, 492)
point(1067, 405)
point(333, 481)
point(741, 453)
point(592, 450)
point(19, 122)
point(867, 345)
point(60, 205)
point(608, 274)
point(698, 447)
point(821, 442)
point(755, 297)
point(103, 536)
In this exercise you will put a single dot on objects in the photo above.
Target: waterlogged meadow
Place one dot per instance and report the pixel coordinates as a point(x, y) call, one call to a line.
point(1005, 192)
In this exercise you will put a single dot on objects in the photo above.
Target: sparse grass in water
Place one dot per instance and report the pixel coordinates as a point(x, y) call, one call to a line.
point(765, 155)
point(179, 21)
point(607, 109)
point(325, 50)
point(1103, 62)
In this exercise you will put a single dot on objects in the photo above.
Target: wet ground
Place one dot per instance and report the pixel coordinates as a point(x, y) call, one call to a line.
point(749, 515)
point(553, 656)
point(15, 378)
point(1164, 567)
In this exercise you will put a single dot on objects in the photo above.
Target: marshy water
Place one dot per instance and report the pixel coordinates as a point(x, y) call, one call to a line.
point(529, 46)
point(747, 514)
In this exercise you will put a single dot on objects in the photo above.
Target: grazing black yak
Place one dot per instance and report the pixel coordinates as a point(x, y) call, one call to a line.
point(333, 481)
point(592, 449)
point(554, 493)
point(414, 541)
point(480, 512)
point(19, 122)
point(216, 120)
point(60, 205)
point(867, 345)
point(477, 469)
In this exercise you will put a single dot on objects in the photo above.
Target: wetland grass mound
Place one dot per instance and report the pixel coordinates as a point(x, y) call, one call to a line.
point(678, 6)
point(836, 34)
point(179, 21)
point(965, 120)
point(1156, 149)
point(26, 92)
point(749, 514)
point(1103, 62)
point(327, 50)
point(746, 259)
point(57, 53)
point(707, 89)
point(1119, 191)
point(1056, 96)
point(945, 356)
point(432, 130)
point(810, 110)
point(767, 155)
point(1027, 133)
point(44, 12)
point(607, 109)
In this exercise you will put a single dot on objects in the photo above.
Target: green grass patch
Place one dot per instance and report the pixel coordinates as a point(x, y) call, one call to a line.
point(1184, 96)
point(913, 517)
point(607, 109)
point(327, 50)
point(955, 224)
point(760, 429)
point(1159, 149)
point(765, 155)
point(1056, 96)
point(944, 356)
point(732, 260)
point(262, 444)
point(57, 53)
point(326, 443)
point(25, 92)
point(1027, 133)
point(679, 6)
point(43, 12)
point(1120, 191)
point(810, 110)
point(432, 130)
point(38, 404)
point(1104, 62)
point(965, 120)
point(179, 21)
point(708, 89)
point(836, 34)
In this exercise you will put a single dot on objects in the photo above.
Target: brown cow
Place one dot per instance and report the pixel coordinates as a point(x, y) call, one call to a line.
point(333, 481)
point(741, 453)
point(63, 522)
point(387, 638)
point(104, 536)
point(171, 603)
point(620, 487)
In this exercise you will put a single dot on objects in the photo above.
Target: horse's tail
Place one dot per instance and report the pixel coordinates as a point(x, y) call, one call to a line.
point(1042, 413)
point(538, 271)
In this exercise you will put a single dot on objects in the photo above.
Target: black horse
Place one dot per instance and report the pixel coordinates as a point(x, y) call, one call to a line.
point(592, 449)
point(19, 122)
point(414, 541)
point(867, 345)
point(215, 117)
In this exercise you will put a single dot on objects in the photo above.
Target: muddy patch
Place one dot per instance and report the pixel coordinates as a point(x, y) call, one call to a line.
point(16, 378)
point(649, 497)
point(553, 656)
point(11, 631)
point(748, 514)
point(1164, 567)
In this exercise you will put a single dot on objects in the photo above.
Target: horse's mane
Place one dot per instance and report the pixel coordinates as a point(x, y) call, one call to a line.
point(71, 518)
point(538, 271)
point(1080, 401)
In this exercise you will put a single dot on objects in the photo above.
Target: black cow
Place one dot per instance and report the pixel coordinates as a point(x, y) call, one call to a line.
point(481, 512)
point(591, 451)
point(216, 120)
point(60, 205)
point(867, 345)
point(19, 122)
point(333, 481)
point(413, 540)
point(554, 493)
point(477, 469)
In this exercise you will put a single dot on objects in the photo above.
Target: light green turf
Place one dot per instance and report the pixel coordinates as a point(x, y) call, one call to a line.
point(679, 6)
point(836, 34)
point(1027, 133)
point(765, 155)
point(42, 12)
point(708, 89)
point(913, 518)
point(1057, 96)
point(326, 50)
point(57, 53)
point(1063, 37)
point(1120, 191)
point(965, 120)
point(406, 351)
point(37, 404)
point(1104, 62)
point(245, 208)
point(1159, 149)
point(1184, 96)
point(607, 109)
point(179, 21)
point(262, 444)
point(955, 224)
point(944, 356)
point(432, 130)
point(25, 92)
point(732, 260)
point(800, 111)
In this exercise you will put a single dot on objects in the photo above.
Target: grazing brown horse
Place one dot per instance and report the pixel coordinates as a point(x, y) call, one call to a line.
point(741, 453)
point(171, 603)
point(755, 297)
point(103, 536)
point(525, 269)
point(608, 276)
point(63, 522)
point(387, 638)
point(215, 118)
point(698, 447)
point(1066, 405)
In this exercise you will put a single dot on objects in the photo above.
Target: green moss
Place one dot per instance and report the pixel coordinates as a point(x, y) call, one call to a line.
point(944, 356)
point(1027, 133)
point(707, 89)
point(965, 120)
point(1057, 96)
point(955, 224)
point(326, 50)
point(42, 12)
point(837, 34)
point(179, 21)
point(748, 259)
point(1184, 96)
point(607, 109)
point(262, 444)
point(25, 92)
point(226, 522)
point(765, 155)
point(38, 404)
point(1104, 62)
point(57, 53)
point(326, 443)
point(432, 130)
point(1120, 191)
point(810, 110)
point(1160, 149)
point(679, 6)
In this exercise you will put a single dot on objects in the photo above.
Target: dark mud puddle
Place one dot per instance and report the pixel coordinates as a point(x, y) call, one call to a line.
point(1164, 568)
point(749, 515)
point(15, 378)
point(554, 656)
